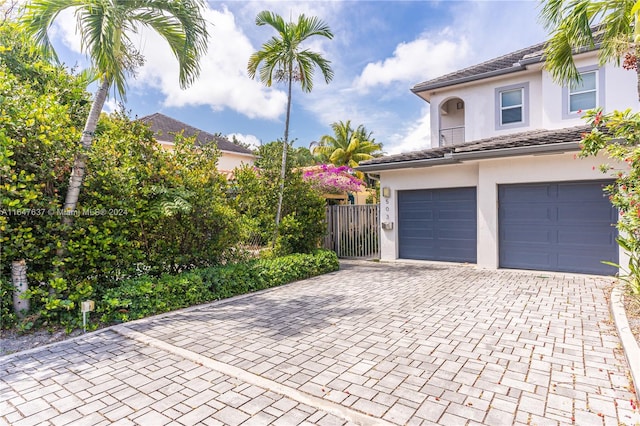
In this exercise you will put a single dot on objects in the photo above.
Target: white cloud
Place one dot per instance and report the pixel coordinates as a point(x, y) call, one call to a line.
point(415, 61)
point(416, 136)
point(111, 105)
point(251, 140)
point(223, 82)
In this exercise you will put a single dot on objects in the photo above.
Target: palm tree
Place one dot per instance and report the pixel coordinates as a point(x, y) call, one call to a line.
point(347, 147)
point(104, 27)
point(283, 59)
point(581, 24)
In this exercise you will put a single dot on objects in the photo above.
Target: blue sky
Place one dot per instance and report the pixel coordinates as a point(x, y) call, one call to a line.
point(379, 51)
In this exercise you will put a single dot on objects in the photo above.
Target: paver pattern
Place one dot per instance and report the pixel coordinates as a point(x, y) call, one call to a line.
point(403, 343)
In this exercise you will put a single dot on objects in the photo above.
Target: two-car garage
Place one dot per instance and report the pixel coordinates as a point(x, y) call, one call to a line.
point(554, 226)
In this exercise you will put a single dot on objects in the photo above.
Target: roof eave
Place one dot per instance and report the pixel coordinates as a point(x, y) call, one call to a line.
point(423, 88)
point(555, 148)
point(246, 154)
point(458, 157)
point(409, 164)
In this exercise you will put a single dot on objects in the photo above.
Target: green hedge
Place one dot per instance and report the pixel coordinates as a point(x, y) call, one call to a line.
point(7, 317)
point(145, 296)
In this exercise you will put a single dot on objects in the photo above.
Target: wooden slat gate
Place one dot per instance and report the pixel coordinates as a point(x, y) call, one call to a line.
point(353, 231)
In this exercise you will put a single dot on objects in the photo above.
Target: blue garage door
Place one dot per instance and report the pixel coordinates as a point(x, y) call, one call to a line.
point(566, 227)
point(438, 224)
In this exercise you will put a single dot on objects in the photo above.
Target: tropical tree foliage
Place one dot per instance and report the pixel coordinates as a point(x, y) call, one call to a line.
point(283, 59)
point(105, 28)
point(142, 211)
point(577, 25)
point(256, 195)
point(347, 147)
point(618, 135)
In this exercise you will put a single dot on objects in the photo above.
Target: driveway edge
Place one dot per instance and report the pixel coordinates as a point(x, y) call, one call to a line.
point(187, 309)
point(629, 344)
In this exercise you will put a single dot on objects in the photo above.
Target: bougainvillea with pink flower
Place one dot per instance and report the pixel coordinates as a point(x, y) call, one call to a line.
point(330, 179)
point(617, 134)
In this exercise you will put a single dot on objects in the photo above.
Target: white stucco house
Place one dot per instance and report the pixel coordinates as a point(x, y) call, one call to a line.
point(500, 186)
point(231, 155)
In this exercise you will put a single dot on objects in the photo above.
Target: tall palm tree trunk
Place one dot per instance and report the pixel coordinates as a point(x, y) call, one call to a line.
point(283, 169)
point(80, 162)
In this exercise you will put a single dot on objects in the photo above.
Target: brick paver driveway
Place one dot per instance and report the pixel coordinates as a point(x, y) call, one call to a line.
point(370, 344)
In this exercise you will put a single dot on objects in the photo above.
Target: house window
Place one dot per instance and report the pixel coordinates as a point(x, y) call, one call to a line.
point(584, 95)
point(512, 106)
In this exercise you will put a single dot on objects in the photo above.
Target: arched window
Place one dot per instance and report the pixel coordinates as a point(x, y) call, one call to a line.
point(451, 122)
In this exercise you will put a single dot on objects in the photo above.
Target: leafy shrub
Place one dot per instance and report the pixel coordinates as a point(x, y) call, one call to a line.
point(281, 270)
point(7, 317)
point(617, 135)
point(145, 296)
point(232, 279)
point(141, 209)
point(256, 198)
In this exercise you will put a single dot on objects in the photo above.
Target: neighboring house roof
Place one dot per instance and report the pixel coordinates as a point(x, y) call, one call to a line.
point(166, 127)
point(530, 142)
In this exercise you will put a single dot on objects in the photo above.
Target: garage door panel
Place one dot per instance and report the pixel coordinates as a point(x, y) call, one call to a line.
point(575, 192)
point(456, 234)
point(538, 259)
point(525, 195)
point(594, 212)
point(416, 197)
point(526, 235)
point(593, 238)
point(583, 264)
point(418, 215)
point(455, 195)
point(451, 215)
point(565, 226)
point(438, 224)
point(528, 212)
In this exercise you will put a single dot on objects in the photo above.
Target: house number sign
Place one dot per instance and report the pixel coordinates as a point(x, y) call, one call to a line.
point(386, 209)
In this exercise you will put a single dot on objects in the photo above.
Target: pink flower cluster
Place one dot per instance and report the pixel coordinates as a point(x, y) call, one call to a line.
point(331, 179)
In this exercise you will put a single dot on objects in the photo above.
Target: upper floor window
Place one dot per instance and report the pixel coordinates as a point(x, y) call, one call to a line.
point(586, 94)
point(511, 106)
point(582, 95)
point(512, 109)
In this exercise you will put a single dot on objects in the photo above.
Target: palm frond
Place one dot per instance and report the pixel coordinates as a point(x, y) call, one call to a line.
point(575, 24)
point(552, 13)
point(312, 26)
point(104, 27)
point(282, 59)
point(38, 18)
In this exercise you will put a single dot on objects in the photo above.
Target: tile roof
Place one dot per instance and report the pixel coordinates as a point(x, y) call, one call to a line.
point(500, 65)
point(166, 127)
point(498, 146)
point(505, 64)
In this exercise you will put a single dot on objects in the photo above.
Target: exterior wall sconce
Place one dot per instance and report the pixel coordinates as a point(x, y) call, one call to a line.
point(386, 192)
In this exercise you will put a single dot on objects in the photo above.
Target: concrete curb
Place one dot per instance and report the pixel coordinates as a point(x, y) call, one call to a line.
point(321, 404)
point(629, 344)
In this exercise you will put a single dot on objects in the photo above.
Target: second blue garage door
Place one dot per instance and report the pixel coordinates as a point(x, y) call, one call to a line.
point(564, 226)
point(438, 224)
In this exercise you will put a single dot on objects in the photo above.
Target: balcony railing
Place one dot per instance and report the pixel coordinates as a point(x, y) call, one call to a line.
point(452, 136)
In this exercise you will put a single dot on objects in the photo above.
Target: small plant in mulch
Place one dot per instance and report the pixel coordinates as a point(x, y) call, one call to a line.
point(632, 309)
